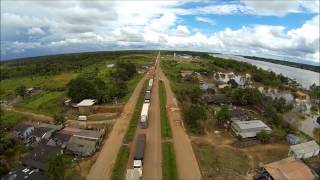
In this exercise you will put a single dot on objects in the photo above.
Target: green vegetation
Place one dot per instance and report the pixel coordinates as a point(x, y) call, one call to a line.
point(135, 117)
point(169, 169)
point(316, 134)
point(223, 115)
point(57, 166)
point(45, 102)
point(59, 118)
point(194, 115)
point(263, 136)
point(119, 168)
point(165, 125)
point(315, 91)
point(247, 96)
point(10, 150)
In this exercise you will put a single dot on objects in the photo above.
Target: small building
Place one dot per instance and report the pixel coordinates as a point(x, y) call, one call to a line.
point(62, 137)
point(110, 65)
point(81, 147)
point(292, 139)
point(44, 132)
point(249, 129)
point(23, 131)
point(96, 136)
point(86, 106)
point(301, 95)
point(289, 169)
point(39, 156)
point(26, 173)
point(216, 99)
point(304, 150)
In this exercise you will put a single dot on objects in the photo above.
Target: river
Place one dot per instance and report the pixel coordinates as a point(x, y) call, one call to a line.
point(305, 77)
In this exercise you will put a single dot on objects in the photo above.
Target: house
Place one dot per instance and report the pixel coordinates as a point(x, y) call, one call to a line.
point(304, 150)
point(301, 95)
point(62, 137)
point(249, 129)
point(86, 106)
point(26, 173)
point(184, 56)
point(44, 132)
point(289, 169)
point(216, 99)
point(39, 156)
point(85, 142)
point(23, 131)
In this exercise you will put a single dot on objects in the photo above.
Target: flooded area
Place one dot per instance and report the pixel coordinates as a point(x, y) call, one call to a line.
point(305, 77)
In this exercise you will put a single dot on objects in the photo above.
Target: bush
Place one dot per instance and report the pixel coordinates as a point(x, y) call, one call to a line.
point(263, 136)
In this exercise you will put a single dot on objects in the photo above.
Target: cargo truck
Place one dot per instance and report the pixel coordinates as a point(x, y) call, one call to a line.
point(150, 82)
point(148, 88)
point(139, 153)
point(147, 97)
point(144, 115)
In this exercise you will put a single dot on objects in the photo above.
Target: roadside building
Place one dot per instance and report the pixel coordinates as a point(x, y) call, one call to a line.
point(304, 150)
point(26, 173)
point(249, 129)
point(23, 131)
point(86, 106)
point(39, 156)
point(62, 137)
point(85, 142)
point(218, 99)
point(289, 169)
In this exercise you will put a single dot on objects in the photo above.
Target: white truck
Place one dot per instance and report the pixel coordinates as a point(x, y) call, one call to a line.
point(144, 115)
point(133, 174)
point(150, 82)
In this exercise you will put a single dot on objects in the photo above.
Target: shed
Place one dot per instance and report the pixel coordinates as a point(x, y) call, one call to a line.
point(304, 150)
point(292, 139)
point(289, 169)
point(249, 129)
point(86, 106)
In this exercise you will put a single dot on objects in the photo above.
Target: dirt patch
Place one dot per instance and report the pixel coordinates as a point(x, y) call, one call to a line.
point(84, 165)
point(108, 109)
point(102, 116)
point(222, 162)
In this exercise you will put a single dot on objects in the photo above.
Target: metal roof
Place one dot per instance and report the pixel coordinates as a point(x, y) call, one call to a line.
point(89, 134)
point(87, 102)
point(305, 147)
point(251, 124)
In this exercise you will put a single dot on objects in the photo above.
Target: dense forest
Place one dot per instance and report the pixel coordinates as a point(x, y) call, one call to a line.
point(49, 65)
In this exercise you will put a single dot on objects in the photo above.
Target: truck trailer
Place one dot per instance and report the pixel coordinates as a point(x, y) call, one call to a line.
point(144, 115)
point(139, 153)
point(150, 82)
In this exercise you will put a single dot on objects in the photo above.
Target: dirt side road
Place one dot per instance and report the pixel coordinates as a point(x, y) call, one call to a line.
point(152, 167)
point(103, 166)
point(187, 164)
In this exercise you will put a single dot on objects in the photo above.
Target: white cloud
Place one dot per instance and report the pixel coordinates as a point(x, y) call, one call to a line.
point(205, 20)
point(35, 31)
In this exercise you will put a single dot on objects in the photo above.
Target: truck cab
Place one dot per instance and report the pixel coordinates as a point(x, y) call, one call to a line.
point(137, 165)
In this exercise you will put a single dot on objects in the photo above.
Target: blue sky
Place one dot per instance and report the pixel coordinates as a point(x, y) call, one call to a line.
point(268, 28)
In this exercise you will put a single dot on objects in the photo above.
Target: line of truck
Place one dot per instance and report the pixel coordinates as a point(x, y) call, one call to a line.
point(137, 170)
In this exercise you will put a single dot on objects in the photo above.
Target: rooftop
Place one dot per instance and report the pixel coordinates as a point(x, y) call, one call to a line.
point(82, 146)
point(305, 147)
point(251, 124)
point(25, 173)
point(89, 134)
point(289, 169)
point(87, 102)
point(22, 127)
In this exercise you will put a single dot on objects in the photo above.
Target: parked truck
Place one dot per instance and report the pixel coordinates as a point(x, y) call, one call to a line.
point(144, 115)
point(147, 97)
point(139, 153)
point(150, 82)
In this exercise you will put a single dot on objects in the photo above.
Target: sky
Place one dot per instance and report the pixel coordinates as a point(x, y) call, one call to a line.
point(282, 29)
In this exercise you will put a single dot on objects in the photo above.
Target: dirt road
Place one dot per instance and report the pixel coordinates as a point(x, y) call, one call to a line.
point(152, 167)
point(187, 164)
point(103, 166)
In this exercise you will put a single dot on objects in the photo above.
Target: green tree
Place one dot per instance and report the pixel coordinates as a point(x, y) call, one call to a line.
point(81, 88)
point(59, 118)
point(21, 91)
point(223, 115)
point(315, 91)
point(57, 167)
point(193, 114)
point(263, 136)
point(316, 133)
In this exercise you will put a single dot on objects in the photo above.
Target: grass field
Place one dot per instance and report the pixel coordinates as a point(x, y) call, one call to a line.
point(47, 103)
point(165, 125)
point(135, 117)
point(131, 86)
point(169, 168)
point(119, 168)
point(8, 119)
point(54, 82)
